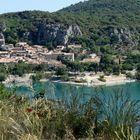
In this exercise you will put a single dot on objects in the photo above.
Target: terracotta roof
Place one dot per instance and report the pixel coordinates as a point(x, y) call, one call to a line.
point(96, 59)
point(7, 60)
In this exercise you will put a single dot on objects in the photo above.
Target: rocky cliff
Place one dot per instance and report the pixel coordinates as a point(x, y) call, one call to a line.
point(120, 36)
point(2, 39)
point(59, 34)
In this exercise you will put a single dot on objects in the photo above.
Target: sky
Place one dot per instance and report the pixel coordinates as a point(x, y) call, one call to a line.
point(44, 5)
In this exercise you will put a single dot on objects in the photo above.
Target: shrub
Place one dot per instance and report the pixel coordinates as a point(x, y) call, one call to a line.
point(101, 78)
point(2, 77)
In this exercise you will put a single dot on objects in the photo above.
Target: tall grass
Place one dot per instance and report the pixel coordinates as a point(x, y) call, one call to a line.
point(118, 115)
point(115, 117)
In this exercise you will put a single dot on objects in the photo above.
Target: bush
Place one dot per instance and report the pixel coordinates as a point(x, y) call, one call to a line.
point(138, 75)
point(102, 78)
point(40, 75)
point(65, 77)
point(61, 71)
point(2, 77)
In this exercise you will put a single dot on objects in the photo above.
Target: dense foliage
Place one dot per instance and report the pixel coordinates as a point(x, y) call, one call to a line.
point(22, 68)
point(113, 118)
point(98, 16)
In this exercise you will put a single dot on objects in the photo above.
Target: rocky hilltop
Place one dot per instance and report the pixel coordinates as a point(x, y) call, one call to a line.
point(113, 23)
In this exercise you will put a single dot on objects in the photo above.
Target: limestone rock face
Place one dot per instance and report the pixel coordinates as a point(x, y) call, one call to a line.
point(58, 33)
point(120, 36)
point(2, 39)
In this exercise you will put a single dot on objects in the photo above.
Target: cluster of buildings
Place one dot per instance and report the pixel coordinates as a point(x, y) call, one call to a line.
point(38, 54)
point(31, 54)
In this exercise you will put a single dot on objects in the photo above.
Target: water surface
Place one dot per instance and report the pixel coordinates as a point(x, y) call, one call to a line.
point(57, 90)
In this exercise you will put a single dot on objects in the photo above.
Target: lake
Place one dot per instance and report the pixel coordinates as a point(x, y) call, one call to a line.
point(57, 90)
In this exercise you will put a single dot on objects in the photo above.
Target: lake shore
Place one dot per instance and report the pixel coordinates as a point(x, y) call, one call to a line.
point(86, 80)
point(89, 79)
point(96, 82)
point(18, 81)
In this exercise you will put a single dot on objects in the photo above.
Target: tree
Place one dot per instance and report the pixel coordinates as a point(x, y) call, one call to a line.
point(61, 71)
point(2, 26)
point(114, 39)
point(49, 46)
point(138, 75)
point(2, 77)
point(116, 69)
point(138, 68)
point(106, 63)
point(65, 77)
point(127, 66)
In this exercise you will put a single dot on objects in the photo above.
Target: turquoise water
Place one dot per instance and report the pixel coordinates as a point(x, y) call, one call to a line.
point(58, 90)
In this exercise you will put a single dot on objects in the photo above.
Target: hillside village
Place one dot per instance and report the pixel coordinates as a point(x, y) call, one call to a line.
point(37, 54)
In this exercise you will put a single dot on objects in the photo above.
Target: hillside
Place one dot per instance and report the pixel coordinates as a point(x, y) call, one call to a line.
point(91, 23)
point(116, 12)
point(37, 27)
point(107, 6)
point(115, 21)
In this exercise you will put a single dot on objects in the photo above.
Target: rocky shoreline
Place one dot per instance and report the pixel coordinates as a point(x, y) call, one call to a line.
point(86, 80)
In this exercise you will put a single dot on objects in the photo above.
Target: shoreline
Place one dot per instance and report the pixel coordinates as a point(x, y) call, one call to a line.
point(91, 81)
point(18, 81)
point(93, 85)
point(94, 80)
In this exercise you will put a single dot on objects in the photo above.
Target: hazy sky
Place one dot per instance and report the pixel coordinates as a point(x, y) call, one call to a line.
point(45, 5)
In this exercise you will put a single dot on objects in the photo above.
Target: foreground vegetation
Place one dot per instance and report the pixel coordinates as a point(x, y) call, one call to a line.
point(113, 118)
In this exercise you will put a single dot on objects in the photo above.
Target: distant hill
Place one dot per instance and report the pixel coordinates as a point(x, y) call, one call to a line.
point(108, 21)
point(107, 6)
point(91, 23)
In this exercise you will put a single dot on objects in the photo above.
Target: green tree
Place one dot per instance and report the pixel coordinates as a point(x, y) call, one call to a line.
point(2, 77)
point(61, 71)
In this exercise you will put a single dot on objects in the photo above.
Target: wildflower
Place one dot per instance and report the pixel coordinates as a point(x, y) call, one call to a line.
point(29, 110)
point(39, 114)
